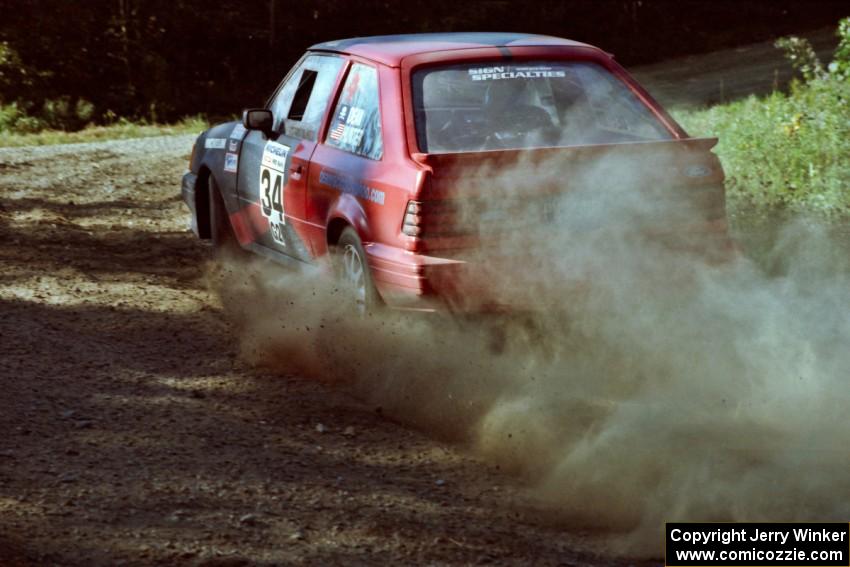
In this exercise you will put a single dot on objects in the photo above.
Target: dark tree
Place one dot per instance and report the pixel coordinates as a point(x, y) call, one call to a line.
point(162, 59)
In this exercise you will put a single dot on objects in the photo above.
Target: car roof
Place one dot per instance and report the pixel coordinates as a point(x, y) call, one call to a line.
point(391, 49)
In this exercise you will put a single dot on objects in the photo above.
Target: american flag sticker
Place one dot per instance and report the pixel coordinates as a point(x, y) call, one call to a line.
point(336, 133)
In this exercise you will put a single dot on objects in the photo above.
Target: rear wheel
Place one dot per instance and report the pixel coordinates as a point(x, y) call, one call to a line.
point(353, 270)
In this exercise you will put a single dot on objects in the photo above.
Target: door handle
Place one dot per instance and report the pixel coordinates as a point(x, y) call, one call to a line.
point(295, 171)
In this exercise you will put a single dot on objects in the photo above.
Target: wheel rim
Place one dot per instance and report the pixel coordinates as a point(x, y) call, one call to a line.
point(354, 275)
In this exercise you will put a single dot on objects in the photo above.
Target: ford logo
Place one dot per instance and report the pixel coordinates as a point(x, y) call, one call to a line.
point(698, 171)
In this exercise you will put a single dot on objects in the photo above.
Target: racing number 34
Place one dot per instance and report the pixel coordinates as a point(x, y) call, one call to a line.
point(272, 180)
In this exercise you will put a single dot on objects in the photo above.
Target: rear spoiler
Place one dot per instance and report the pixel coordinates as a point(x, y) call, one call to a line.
point(532, 154)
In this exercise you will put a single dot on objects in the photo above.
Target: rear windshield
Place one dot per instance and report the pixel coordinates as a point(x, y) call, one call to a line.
point(515, 105)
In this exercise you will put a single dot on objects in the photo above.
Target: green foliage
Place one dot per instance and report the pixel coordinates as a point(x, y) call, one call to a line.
point(802, 56)
point(788, 150)
point(19, 115)
point(13, 119)
point(64, 113)
point(61, 113)
point(11, 69)
point(8, 116)
point(841, 65)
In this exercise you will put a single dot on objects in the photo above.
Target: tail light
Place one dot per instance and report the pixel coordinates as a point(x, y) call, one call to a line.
point(412, 225)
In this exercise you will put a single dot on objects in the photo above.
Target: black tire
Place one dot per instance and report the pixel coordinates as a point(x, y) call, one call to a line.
point(221, 233)
point(348, 254)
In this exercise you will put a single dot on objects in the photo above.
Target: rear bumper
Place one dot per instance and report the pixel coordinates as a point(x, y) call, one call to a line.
point(499, 283)
point(187, 191)
point(405, 279)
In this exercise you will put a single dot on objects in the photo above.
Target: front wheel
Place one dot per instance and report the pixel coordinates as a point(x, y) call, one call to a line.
point(353, 269)
point(221, 232)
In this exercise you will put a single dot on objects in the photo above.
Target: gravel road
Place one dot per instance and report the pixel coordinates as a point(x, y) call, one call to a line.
point(133, 434)
point(728, 74)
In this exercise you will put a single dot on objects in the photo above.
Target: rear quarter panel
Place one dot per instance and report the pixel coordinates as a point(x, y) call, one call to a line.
point(370, 195)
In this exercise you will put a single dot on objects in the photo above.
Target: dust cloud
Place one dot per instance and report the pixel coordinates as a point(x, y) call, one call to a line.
point(645, 377)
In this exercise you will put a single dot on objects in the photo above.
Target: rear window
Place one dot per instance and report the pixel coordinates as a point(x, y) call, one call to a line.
point(515, 105)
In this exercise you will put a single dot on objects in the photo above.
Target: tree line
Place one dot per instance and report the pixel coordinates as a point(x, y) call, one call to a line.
point(96, 60)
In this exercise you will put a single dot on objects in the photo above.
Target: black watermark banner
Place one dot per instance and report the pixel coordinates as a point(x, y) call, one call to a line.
point(759, 545)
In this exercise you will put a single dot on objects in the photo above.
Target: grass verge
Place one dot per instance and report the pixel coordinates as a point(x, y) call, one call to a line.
point(120, 130)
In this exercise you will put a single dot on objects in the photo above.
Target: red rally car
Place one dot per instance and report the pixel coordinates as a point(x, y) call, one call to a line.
point(361, 150)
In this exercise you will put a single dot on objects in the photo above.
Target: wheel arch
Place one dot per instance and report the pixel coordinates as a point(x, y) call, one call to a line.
point(202, 203)
point(346, 212)
point(334, 230)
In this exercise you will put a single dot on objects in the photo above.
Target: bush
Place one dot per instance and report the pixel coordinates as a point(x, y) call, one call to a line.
point(8, 116)
point(55, 114)
point(13, 119)
point(840, 67)
point(789, 150)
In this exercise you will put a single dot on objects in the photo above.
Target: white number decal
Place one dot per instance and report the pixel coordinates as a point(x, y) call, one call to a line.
point(272, 168)
point(271, 192)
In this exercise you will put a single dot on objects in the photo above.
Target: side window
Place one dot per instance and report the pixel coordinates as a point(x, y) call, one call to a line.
point(302, 95)
point(356, 122)
point(301, 102)
point(615, 108)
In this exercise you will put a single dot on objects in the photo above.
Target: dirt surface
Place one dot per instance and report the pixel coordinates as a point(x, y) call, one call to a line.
point(134, 435)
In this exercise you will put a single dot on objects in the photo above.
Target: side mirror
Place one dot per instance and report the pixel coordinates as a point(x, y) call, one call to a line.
point(258, 119)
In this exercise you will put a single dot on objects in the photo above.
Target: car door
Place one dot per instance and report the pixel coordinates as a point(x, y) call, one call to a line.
point(348, 164)
point(272, 171)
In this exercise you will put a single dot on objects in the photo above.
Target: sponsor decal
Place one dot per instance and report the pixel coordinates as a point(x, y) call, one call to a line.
point(272, 184)
point(343, 112)
point(231, 162)
point(233, 145)
point(512, 72)
point(351, 137)
point(214, 143)
point(351, 186)
point(355, 117)
point(238, 132)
